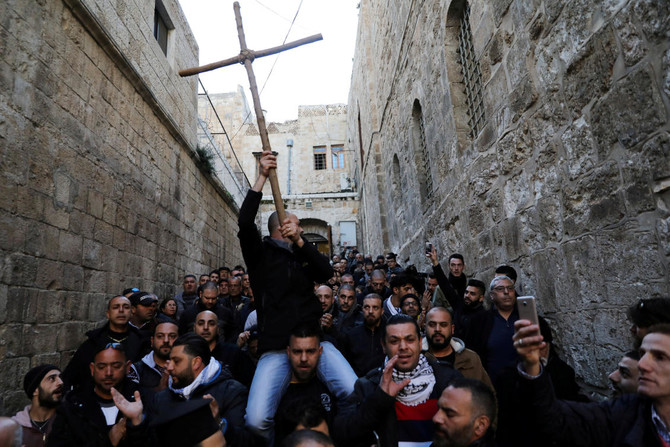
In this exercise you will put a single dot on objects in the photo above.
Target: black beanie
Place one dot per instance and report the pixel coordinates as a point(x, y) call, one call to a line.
point(34, 377)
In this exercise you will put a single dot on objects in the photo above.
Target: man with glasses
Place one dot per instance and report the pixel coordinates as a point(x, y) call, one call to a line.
point(493, 340)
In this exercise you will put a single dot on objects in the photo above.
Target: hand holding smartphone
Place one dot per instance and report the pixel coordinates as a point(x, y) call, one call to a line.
point(527, 309)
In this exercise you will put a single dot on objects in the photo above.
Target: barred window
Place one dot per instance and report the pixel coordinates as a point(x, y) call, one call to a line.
point(319, 158)
point(337, 151)
point(421, 159)
point(472, 77)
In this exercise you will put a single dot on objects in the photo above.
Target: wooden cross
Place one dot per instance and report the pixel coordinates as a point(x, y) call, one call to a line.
point(246, 57)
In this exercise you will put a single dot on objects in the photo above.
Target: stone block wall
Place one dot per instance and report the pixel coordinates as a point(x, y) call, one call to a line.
point(100, 188)
point(569, 179)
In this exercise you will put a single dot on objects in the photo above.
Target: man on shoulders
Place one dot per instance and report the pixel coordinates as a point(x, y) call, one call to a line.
point(44, 388)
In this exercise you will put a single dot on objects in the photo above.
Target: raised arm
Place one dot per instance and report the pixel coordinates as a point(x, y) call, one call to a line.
point(455, 301)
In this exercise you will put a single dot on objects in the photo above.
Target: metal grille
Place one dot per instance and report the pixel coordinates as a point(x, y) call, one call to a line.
point(472, 77)
point(319, 158)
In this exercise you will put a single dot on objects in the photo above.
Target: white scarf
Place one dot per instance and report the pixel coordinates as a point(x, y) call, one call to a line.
point(208, 374)
point(422, 381)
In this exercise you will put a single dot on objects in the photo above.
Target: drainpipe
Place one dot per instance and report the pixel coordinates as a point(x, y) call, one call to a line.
point(289, 145)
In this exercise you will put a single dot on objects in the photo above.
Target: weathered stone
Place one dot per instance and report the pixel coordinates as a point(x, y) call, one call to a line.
point(577, 141)
point(627, 114)
point(522, 97)
point(666, 72)
point(632, 42)
point(654, 17)
point(589, 75)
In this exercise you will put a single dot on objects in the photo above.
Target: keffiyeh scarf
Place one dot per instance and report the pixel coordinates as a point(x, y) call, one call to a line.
point(422, 381)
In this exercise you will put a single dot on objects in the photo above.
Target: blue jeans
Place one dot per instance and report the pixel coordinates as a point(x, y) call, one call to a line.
point(273, 375)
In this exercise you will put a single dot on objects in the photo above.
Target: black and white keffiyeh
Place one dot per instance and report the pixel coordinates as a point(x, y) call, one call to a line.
point(422, 381)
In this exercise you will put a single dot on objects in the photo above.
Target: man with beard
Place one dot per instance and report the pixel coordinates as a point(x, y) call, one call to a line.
point(229, 354)
point(626, 378)
point(465, 305)
point(465, 415)
point(361, 345)
point(398, 400)
point(194, 374)
point(377, 285)
point(109, 412)
point(304, 351)
point(44, 388)
point(151, 371)
point(444, 347)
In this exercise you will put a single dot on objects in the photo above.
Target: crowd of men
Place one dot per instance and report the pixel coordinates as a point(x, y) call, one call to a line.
point(300, 350)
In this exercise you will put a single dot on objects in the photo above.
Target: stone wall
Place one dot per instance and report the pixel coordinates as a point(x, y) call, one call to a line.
point(569, 179)
point(100, 186)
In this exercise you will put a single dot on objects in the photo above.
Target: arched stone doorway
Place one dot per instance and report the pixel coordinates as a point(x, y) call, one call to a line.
point(318, 232)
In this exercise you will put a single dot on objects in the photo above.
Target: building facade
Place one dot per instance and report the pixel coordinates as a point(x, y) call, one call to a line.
point(315, 165)
point(532, 133)
point(102, 187)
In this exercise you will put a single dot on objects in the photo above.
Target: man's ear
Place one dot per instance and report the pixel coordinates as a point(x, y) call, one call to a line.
point(481, 425)
point(128, 363)
point(92, 366)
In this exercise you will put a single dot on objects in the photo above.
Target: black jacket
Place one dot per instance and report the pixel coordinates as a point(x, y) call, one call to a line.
point(622, 422)
point(80, 421)
point(462, 314)
point(368, 408)
point(282, 280)
point(362, 348)
point(77, 372)
point(224, 315)
point(228, 393)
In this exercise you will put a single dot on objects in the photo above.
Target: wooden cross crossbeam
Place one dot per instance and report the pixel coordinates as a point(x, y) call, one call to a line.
point(246, 57)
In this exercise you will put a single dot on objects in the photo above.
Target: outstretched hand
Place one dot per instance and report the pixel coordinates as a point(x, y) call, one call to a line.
point(131, 410)
point(528, 342)
point(387, 384)
point(433, 256)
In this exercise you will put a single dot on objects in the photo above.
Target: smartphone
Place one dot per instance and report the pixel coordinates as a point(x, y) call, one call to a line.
point(527, 309)
point(429, 248)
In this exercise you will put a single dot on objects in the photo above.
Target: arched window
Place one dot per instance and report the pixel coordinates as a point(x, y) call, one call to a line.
point(421, 159)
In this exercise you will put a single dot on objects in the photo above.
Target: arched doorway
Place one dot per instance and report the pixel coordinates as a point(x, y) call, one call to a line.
point(318, 232)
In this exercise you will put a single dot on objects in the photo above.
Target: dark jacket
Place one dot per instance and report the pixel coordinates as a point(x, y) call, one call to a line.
point(462, 314)
point(368, 408)
point(228, 393)
point(362, 348)
point(77, 371)
point(238, 363)
point(80, 421)
point(224, 315)
point(622, 422)
point(282, 280)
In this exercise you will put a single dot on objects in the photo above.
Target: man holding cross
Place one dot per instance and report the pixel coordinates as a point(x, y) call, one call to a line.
point(282, 269)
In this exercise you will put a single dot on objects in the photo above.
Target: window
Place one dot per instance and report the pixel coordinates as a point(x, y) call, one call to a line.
point(421, 153)
point(162, 26)
point(319, 158)
point(338, 156)
point(472, 77)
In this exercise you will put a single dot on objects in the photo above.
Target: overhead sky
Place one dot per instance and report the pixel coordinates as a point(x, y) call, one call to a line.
point(316, 73)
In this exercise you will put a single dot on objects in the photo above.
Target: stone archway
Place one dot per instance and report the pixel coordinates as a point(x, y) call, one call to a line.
point(318, 232)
